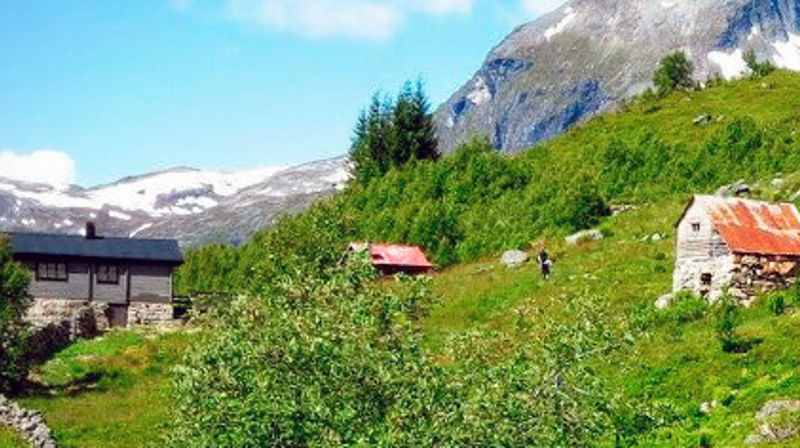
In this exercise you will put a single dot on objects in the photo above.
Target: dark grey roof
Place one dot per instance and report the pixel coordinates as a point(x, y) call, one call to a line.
point(74, 246)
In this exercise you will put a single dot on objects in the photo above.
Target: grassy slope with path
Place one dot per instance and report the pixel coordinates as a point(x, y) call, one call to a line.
point(677, 360)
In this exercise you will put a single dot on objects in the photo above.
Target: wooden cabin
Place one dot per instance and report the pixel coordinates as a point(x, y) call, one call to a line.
point(128, 280)
point(737, 245)
point(392, 259)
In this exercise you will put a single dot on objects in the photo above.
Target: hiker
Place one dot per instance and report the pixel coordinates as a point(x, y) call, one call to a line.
point(544, 262)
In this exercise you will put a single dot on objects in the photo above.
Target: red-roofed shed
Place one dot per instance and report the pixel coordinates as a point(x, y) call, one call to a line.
point(391, 259)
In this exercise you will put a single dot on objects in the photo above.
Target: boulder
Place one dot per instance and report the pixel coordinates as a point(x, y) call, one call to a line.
point(771, 428)
point(702, 120)
point(584, 236)
point(514, 258)
point(738, 188)
point(708, 407)
point(778, 182)
point(665, 301)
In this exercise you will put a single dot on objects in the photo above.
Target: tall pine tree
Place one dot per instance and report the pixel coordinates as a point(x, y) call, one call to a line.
point(390, 134)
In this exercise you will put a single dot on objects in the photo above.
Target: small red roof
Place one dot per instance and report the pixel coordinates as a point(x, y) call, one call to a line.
point(395, 255)
point(755, 227)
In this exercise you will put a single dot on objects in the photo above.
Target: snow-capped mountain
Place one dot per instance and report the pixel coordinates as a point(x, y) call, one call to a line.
point(589, 55)
point(191, 205)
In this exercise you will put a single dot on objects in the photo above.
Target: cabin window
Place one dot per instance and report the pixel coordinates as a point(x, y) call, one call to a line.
point(108, 274)
point(53, 272)
point(695, 227)
point(705, 279)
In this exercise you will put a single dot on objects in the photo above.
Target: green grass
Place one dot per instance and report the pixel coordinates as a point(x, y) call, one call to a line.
point(9, 439)
point(676, 359)
point(109, 392)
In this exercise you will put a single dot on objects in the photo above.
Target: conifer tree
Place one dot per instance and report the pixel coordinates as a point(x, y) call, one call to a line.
point(389, 134)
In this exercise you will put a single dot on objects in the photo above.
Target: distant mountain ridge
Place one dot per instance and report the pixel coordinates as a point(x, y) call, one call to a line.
point(589, 55)
point(187, 204)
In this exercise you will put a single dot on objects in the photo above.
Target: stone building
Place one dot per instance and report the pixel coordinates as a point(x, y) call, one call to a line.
point(737, 245)
point(124, 280)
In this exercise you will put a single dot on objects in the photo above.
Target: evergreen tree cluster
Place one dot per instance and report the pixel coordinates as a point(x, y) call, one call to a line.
point(393, 132)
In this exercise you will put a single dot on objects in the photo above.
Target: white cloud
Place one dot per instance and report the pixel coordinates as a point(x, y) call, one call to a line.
point(445, 6)
point(43, 166)
point(180, 5)
point(368, 19)
point(538, 7)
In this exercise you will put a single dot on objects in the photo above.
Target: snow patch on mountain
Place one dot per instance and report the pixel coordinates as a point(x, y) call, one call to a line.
point(562, 25)
point(191, 205)
point(731, 64)
point(787, 53)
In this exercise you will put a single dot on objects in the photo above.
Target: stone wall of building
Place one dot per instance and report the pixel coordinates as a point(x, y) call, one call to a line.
point(28, 424)
point(708, 277)
point(742, 276)
point(754, 274)
point(147, 313)
point(47, 311)
point(57, 323)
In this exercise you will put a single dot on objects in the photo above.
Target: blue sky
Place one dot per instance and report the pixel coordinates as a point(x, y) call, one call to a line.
point(93, 90)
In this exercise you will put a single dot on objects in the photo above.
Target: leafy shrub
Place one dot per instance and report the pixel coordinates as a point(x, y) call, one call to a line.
point(687, 308)
point(757, 69)
point(335, 360)
point(674, 72)
point(728, 316)
point(777, 302)
point(14, 302)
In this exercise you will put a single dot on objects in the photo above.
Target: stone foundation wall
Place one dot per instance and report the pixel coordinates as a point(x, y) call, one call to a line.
point(742, 276)
point(146, 313)
point(47, 311)
point(688, 276)
point(57, 323)
point(29, 424)
point(754, 274)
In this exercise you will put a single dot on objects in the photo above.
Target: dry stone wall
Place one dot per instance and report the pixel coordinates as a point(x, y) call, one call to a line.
point(29, 424)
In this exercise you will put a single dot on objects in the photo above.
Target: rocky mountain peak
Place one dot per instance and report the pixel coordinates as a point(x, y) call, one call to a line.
point(588, 55)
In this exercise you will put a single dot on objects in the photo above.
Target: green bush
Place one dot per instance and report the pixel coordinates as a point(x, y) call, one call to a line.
point(757, 69)
point(674, 72)
point(14, 302)
point(777, 302)
point(687, 308)
point(334, 360)
point(728, 316)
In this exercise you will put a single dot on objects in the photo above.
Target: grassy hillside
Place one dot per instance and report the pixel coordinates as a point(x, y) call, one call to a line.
point(641, 376)
point(108, 392)
point(481, 358)
point(8, 439)
point(675, 359)
point(477, 202)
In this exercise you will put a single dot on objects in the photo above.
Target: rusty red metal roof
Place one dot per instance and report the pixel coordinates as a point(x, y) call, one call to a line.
point(395, 255)
point(755, 227)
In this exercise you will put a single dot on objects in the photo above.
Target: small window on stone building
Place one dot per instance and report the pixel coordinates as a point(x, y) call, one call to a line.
point(108, 274)
point(52, 272)
point(695, 227)
point(705, 279)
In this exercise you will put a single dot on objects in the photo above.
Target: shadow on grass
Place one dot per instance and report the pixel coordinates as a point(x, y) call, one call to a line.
point(93, 381)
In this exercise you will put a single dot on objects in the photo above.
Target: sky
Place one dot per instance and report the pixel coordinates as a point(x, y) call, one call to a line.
point(95, 90)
